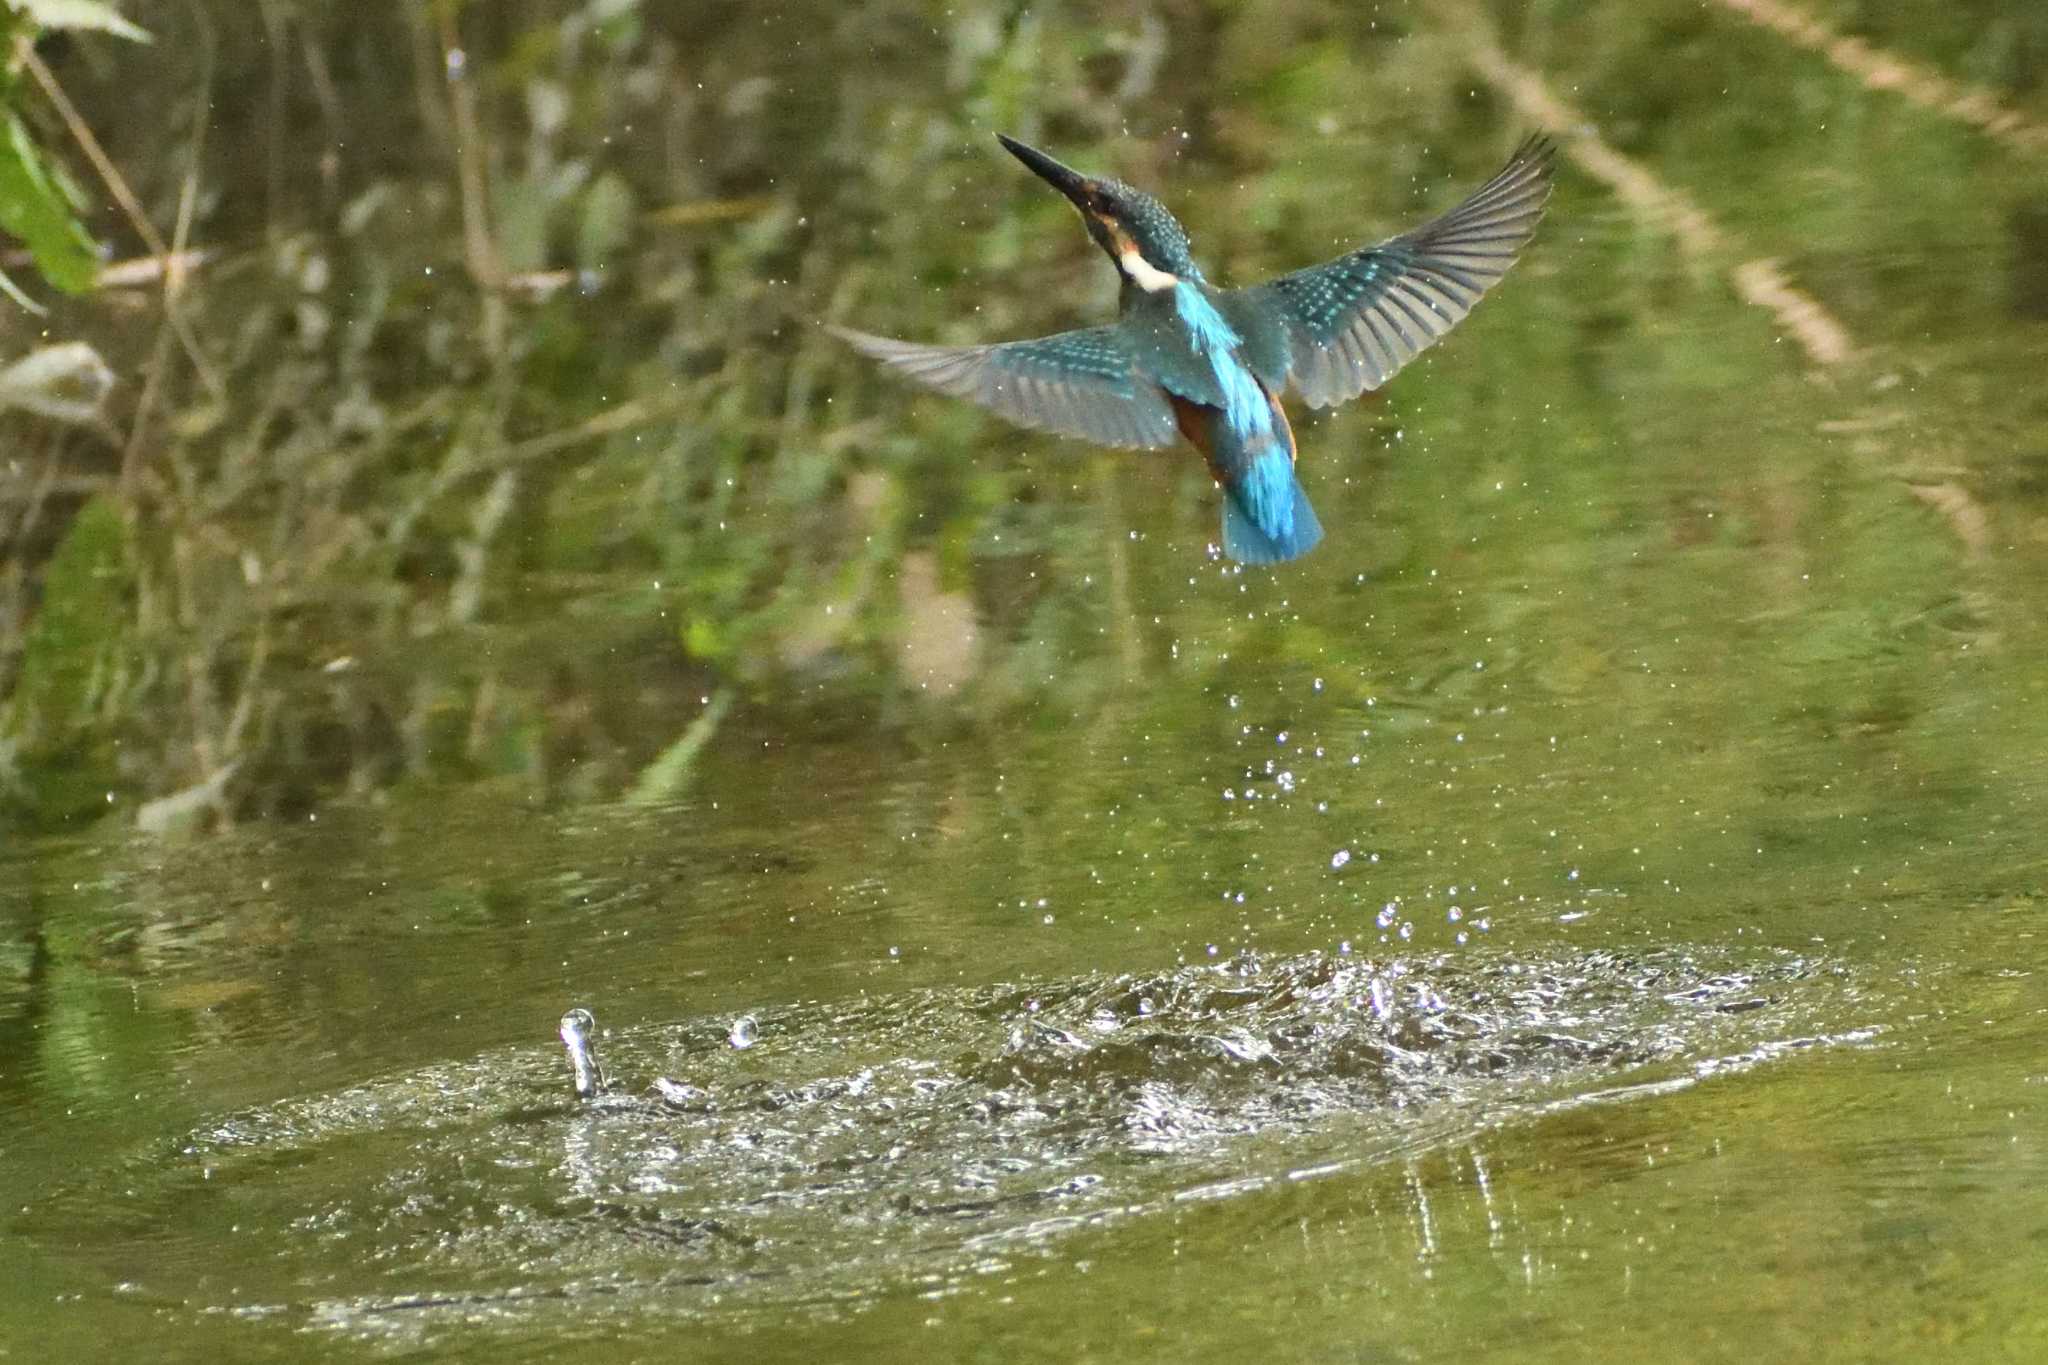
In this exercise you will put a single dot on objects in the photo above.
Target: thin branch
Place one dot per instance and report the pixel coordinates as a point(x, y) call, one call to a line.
point(117, 185)
point(174, 262)
point(1879, 69)
point(277, 40)
point(478, 246)
point(632, 413)
point(325, 95)
point(110, 174)
point(1823, 338)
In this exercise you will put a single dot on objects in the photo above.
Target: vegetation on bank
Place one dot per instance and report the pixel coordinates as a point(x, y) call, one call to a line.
point(433, 392)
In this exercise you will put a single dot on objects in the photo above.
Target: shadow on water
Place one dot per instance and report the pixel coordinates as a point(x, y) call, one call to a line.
point(915, 1139)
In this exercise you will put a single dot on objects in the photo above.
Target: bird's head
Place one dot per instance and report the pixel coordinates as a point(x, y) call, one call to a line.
point(1148, 246)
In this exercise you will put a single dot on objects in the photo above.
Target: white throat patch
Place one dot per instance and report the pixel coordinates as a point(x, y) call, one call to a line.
point(1144, 274)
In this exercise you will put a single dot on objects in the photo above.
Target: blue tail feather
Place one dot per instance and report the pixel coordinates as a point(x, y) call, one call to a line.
point(1290, 536)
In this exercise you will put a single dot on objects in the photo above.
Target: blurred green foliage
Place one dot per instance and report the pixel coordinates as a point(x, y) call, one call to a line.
point(38, 206)
point(496, 433)
point(34, 210)
point(75, 666)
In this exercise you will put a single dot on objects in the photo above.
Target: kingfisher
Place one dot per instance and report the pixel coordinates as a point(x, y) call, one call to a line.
point(1185, 359)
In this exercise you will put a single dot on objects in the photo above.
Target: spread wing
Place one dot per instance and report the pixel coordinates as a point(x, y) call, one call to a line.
point(1352, 322)
point(1082, 383)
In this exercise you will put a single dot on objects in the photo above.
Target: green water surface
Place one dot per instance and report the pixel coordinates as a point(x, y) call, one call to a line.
point(1591, 908)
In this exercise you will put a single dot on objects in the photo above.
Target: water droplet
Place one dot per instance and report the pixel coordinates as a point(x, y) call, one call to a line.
point(1145, 1005)
point(1340, 857)
point(1386, 915)
point(744, 1033)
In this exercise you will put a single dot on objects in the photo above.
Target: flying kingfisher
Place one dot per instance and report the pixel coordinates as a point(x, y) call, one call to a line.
point(1210, 364)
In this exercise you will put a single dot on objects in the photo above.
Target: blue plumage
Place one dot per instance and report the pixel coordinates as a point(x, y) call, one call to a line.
point(1184, 359)
point(1248, 542)
point(1266, 515)
point(1267, 491)
point(1244, 402)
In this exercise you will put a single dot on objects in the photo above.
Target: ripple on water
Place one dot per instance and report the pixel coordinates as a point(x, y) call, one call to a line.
point(846, 1146)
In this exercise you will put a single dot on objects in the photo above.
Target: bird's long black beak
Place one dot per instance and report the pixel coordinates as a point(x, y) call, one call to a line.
point(1066, 180)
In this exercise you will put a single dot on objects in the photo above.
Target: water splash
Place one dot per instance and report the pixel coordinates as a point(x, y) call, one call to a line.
point(892, 1136)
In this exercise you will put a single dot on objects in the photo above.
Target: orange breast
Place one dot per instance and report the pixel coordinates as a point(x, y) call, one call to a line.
point(1197, 422)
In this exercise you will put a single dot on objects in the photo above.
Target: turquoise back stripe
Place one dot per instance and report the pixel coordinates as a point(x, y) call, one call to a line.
point(1244, 403)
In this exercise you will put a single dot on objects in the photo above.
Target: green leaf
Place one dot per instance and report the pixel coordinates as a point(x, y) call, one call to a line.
point(79, 627)
point(76, 656)
point(32, 209)
point(78, 14)
point(665, 778)
point(703, 639)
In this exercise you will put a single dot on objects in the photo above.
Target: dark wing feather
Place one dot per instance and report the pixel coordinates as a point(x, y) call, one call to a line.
point(1352, 322)
point(1082, 383)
